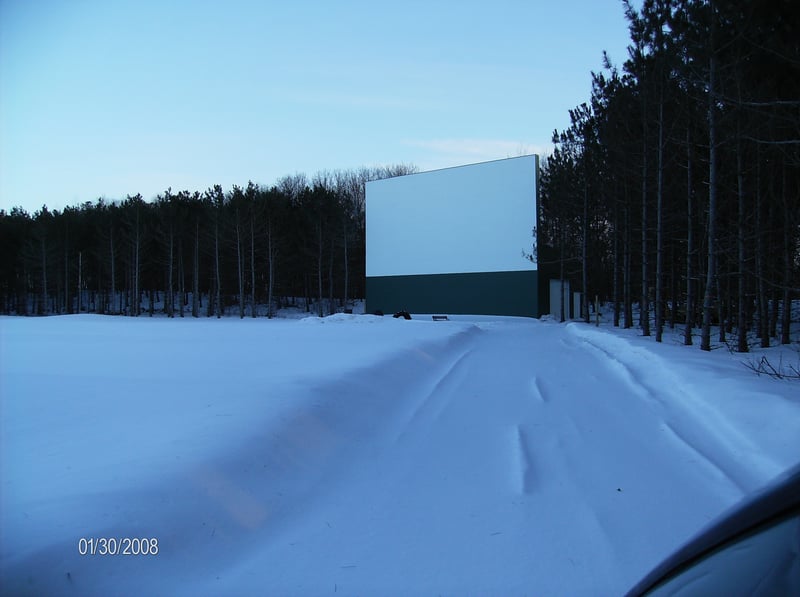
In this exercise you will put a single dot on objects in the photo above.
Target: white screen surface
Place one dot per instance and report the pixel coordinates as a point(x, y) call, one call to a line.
point(476, 218)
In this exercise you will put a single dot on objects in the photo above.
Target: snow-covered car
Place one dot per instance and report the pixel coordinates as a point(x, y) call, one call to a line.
point(752, 549)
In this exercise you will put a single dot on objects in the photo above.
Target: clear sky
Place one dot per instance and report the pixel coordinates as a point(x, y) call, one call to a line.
point(103, 98)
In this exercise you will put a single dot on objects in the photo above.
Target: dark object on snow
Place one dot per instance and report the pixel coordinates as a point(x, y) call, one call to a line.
point(403, 314)
point(753, 547)
point(379, 313)
point(439, 317)
point(348, 311)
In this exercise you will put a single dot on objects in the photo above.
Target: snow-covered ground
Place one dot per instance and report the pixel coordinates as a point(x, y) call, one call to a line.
point(363, 455)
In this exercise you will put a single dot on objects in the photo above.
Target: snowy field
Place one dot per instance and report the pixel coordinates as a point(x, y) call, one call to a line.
point(363, 455)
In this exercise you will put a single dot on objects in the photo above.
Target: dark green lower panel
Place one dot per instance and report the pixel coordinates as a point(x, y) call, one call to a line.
point(486, 293)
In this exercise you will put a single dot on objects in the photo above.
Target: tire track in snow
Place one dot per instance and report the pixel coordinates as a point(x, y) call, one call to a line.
point(524, 461)
point(707, 458)
point(620, 368)
point(537, 389)
point(702, 430)
point(430, 408)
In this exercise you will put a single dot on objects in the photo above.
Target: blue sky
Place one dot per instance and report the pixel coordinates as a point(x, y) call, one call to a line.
point(103, 98)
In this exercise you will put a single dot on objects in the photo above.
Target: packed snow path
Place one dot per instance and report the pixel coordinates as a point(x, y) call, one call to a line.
point(493, 457)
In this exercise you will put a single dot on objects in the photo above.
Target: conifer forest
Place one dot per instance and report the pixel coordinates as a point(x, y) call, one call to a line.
point(676, 187)
point(246, 251)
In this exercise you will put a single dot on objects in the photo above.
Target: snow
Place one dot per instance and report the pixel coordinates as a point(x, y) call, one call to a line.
point(357, 454)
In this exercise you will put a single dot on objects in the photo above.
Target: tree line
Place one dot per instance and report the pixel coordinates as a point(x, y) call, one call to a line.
point(677, 185)
point(249, 250)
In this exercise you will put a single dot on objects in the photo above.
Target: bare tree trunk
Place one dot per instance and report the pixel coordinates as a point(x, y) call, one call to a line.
point(644, 312)
point(129, 291)
point(196, 270)
point(181, 280)
point(786, 318)
point(708, 299)
point(124, 295)
point(137, 298)
point(252, 268)
point(687, 332)
point(724, 306)
point(761, 305)
point(741, 345)
point(67, 298)
point(271, 260)
point(562, 306)
point(113, 269)
point(218, 305)
point(80, 281)
point(659, 306)
point(169, 299)
point(771, 313)
point(585, 247)
point(319, 269)
point(331, 309)
point(627, 272)
point(616, 265)
point(346, 265)
point(239, 265)
point(43, 306)
point(307, 290)
point(673, 289)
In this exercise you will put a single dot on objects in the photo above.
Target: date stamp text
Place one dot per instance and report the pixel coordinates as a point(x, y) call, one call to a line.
point(118, 546)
